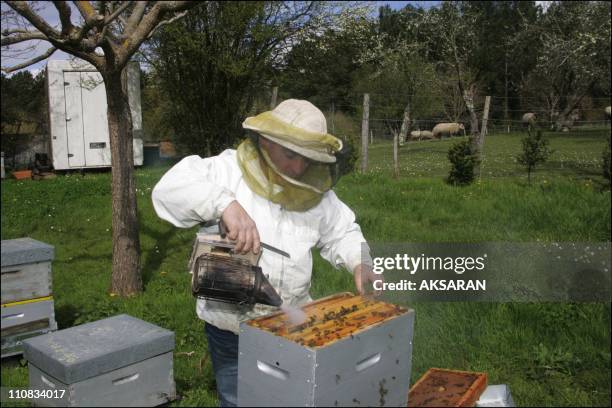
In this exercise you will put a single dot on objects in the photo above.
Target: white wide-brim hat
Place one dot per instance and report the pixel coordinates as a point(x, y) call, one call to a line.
point(299, 126)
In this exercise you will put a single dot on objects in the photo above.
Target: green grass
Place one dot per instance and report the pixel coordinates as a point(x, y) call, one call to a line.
point(577, 154)
point(549, 354)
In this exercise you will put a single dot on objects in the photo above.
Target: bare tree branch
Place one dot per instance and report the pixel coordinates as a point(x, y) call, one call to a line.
point(135, 17)
point(166, 22)
point(8, 32)
point(86, 9)
point(176, 5)
point(64, 13)
point(119, 10)
point(91, 17)
point(41, 57)
point(28, 35)
point(24, 10)
point(150, 22)
point(102, 7)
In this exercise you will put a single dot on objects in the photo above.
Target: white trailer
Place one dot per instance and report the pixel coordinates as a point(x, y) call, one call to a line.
point(78, 123)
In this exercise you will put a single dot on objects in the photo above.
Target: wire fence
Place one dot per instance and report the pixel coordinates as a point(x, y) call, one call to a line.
point(386, 115)
point(425, 155)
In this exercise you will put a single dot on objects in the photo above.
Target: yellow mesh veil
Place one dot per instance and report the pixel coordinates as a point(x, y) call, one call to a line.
point(267, 181)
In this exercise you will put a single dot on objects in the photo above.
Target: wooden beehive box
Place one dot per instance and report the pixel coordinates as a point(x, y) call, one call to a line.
point(22, 320)
point(118, 361)
point(27, 304)
point(447, 388)
point(26, 269)
point(350, 351)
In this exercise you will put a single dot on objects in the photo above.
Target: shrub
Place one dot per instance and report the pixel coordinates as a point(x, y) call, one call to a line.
point(535, 151)
point(463, 160)
point(347, 129)
point(350, 155)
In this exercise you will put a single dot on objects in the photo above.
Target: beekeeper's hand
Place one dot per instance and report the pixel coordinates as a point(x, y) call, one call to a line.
point(364, 279)
point(241, 228)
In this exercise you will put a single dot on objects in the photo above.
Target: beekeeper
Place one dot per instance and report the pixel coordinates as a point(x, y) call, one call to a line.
point(274, 188)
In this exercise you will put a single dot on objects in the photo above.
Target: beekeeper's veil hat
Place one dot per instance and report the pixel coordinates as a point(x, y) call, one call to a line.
point(299, 126)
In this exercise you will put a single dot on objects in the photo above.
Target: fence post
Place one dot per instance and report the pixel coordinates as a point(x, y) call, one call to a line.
point(274, 95)
point(485, 119)
point(405, 129)
point(481, 136)
point(364, 132)
point(395, 158)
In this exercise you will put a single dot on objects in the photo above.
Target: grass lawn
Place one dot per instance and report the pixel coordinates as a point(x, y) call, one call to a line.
point(549, 354)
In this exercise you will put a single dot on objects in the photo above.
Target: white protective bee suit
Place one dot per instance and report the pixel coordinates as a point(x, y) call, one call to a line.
point(196, 190)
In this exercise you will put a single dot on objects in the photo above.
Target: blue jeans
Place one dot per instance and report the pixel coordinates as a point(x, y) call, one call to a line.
point(223, 350)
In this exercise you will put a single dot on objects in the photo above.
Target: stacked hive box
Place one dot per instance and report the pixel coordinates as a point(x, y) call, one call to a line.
point(447, 388)
point(27, 302)
point(350, 351)
point(116, 362)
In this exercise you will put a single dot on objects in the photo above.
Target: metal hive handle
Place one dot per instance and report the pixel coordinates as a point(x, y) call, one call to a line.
point(273, 371)
point(126, 379)
point(367, 362)
point(47, 382)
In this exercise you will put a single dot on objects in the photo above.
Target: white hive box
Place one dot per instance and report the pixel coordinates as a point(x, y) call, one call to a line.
point(118, 361)
point(352, 351)
point(27, 304)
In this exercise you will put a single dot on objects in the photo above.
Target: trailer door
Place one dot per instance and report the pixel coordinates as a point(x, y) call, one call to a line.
point(95, 121)
point(74, 119)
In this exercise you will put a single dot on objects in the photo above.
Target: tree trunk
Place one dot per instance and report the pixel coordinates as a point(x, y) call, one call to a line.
point(405, 129)
point(274, 96)
point(564, 117)
point(529, 175)
point(365, 127)
point(126, 277)
point(468, 98)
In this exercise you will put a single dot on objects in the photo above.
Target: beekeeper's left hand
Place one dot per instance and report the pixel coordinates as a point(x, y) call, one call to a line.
point(364, 279)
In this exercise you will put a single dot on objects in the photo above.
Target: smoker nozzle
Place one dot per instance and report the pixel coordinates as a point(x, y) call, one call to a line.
point(267, 295)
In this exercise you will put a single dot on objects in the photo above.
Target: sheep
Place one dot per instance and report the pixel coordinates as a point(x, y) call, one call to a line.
point(529, 119)
point(564, 125)
point(447, 128)
point(420, 134)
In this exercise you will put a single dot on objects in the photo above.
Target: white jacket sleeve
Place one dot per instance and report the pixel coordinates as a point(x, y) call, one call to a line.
point(194, 190)
point(341, 241)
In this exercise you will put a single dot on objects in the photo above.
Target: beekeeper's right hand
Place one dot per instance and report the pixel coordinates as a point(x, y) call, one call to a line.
point(241, 228)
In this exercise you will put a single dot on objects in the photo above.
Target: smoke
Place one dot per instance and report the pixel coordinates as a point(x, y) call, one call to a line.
point(296, 315)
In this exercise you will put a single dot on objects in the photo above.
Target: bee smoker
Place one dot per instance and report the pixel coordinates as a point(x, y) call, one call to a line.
point(232, 280)
point(223, 275)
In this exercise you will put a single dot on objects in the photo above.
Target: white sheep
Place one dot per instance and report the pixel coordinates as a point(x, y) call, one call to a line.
point(447, 128)
point(529, 119)
point(420, 135)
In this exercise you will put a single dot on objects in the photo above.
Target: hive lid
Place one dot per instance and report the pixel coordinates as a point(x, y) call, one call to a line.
point(25, 250)
point(95, 348)
point(447, 388)
point(330, 319)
